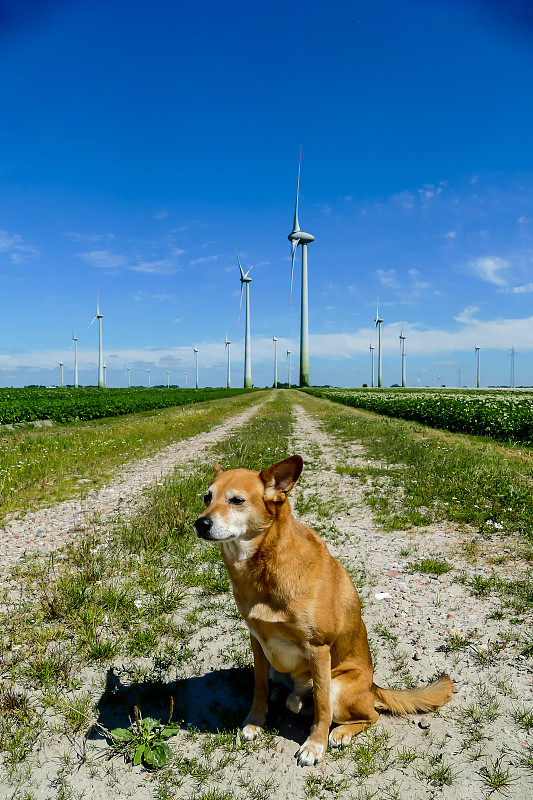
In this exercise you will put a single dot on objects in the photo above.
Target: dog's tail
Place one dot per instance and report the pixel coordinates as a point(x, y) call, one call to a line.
point(408, 701)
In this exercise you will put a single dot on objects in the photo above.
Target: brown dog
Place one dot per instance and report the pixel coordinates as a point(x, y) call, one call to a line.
point(302, 610)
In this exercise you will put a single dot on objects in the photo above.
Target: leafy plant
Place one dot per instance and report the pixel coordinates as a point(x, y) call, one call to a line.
point(146, 740)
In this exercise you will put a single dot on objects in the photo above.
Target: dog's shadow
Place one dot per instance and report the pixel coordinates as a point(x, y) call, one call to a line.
point(216, 702)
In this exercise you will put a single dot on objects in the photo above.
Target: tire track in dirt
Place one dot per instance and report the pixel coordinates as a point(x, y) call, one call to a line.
point(47, 529)
point(411, 619)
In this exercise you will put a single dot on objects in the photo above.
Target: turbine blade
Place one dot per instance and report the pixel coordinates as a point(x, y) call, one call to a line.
point(296, 224)
point(240, 303)
point(239, 263)
point(294, 245)
point(89, 325)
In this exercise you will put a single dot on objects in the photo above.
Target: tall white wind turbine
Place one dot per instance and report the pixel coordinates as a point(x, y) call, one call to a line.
point(75, 343)
point(298, 237)
point(289, 366)
point(129, 382)
point(402, 350)
point(275, 362)
point(99, 317)
point(246, 280)
point(195, 351)
point(477, 348)
point(61, 368)
point(228, 348)
point(168, 379)
point(378, 322)
point(372, 348)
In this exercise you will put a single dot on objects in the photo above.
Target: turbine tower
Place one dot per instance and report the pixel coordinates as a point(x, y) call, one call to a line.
point(168, 379)
point(61, 368)
point(148, 371)
point(275, 362)
point(378, 322)
point(289, 366)
point(99, 316)
point(128, 371)
point(298, 237)
point(245, 279)
point(195, 351)
point(477, 349)
point(402, 348)
point(228, 348)
point(75, 342)
point(372, 348)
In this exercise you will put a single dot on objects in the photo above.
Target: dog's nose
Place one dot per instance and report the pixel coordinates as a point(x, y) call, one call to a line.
point(203, 526)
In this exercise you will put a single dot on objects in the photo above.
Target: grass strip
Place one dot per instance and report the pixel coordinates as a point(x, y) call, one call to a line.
point(417, 475)
point(42, 466)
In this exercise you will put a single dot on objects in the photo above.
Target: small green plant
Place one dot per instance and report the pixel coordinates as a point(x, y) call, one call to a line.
point(431, 566)
point(495, 777)
point(145, 740)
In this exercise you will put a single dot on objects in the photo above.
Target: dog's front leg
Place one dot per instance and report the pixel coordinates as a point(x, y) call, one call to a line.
point(254, 722)
point(313, 749)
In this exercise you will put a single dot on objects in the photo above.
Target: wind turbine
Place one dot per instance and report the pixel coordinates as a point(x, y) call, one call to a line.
point(402, 348)
point(372, 348)
point(186, 380)
point(75, 342)
point(195, 351)
point(148, 371)
point(99, 316)
point(128, 371)
point(61, 368)
point(275, 362)
point(289, 364)
point(228, 348)
point(298, 237)
point(168, 379)
point(378, 322)
point(245, 279)
point(105, 378)
point(477, 349)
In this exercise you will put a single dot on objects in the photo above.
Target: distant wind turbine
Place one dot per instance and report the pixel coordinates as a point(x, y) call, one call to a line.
point(402, 348)
point(75, 343)
point(168, 379)
point(275, 362)
point(378, 322)
point(289, 366)
point(186, 380)
point(148, 371)
point(99, 317)
point(128, 371)
point(228, 348)
point(61, 368)
point(246, 280)
point(105, 378)
point(477, 349)
point(195, 351)
point(298, 237)
point(372, 348)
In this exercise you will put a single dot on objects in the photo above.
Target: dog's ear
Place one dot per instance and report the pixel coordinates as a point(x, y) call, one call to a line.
point(280, 478)
point(218, 469)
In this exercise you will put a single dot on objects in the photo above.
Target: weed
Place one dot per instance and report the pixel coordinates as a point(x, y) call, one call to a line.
point(431, 566)
point(145, 740)
point(495, 777)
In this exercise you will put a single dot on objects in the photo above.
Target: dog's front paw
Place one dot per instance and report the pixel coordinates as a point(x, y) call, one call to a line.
point(251, 732)
point(341, 736)
point(310, 753)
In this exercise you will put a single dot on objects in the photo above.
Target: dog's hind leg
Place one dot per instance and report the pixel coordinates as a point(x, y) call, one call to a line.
point(353, 707)
point(255, 721)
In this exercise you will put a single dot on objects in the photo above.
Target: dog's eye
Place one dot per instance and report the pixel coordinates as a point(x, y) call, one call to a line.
point(207, 498)
point(236, 501)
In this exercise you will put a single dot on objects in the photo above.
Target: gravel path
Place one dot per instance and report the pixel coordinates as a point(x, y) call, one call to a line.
point(49, 528)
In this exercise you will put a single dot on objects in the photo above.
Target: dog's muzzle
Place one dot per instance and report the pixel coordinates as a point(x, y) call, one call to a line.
point(203, 527)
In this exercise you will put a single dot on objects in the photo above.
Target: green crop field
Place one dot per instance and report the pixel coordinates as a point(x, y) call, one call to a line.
point(505, 415)
point(67, 405)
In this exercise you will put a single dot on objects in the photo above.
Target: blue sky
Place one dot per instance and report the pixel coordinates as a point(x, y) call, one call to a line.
point(141, 141)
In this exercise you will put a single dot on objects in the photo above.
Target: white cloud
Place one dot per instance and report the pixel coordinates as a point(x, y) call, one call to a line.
point(525, 289)
point(104, 259)
point(521, 220)
point(450, 235)
point(490, 269)
point(16, 248)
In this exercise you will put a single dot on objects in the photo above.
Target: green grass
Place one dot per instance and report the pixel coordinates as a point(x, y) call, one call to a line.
point(41, 466)
point(416, 475)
